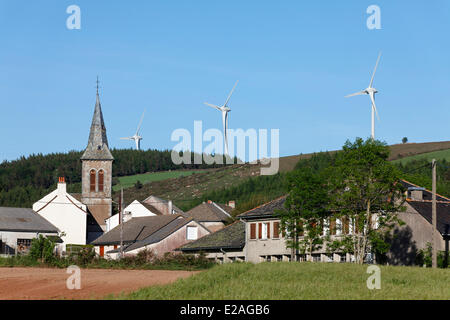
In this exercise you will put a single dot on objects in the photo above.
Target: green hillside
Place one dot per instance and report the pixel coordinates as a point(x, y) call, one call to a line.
point(438, 155)
point(130, 181)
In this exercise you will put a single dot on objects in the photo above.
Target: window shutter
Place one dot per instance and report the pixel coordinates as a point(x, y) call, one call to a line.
point(345, 224)
point(268, 230)
point(252, 230)
point(332, 226)
point(259, 230)
point(276, 229)
point(300, 225)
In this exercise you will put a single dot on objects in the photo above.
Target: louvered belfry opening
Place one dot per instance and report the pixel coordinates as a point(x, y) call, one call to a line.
point(100, 180)
point(92, 180)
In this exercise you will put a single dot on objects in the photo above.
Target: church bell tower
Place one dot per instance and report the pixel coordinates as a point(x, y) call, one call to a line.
point(96, 169)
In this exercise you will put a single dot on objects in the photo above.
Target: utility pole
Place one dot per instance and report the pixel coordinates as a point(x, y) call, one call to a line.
point(121, 222)
point(433, 217)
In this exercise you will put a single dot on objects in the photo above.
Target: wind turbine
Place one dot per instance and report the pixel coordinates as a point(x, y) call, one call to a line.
point(371, 92)
point(137, 138)
point(224, 109)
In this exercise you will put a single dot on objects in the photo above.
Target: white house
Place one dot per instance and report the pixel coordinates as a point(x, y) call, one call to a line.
point(133, 210)
point(66, 213)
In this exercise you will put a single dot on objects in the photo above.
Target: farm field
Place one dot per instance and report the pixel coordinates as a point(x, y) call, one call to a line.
point(129, 181)
point(288, 281)
point(438, 155)
point(50, 283)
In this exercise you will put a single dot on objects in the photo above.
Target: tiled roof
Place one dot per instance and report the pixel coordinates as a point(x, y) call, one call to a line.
point(24, 220)
point(208, 212)
point(160, 234)
point(97, 148)
point(230, 237)
point(135, 229)
point(266, 209)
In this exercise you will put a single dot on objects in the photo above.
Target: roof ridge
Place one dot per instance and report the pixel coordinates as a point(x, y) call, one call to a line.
point(261, 205)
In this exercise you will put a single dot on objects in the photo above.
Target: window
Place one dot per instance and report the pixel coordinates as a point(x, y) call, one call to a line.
point(92, 180)
point(191, 233)
point(276, 229)
point(23, 245)
point(343, 258)
point(100, 180)
point(345, 225)
point(265, 230)
point(252, 231)
point(316, 258)
point(332, 226)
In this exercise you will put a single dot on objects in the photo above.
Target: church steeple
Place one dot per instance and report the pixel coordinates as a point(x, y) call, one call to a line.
point(97, 148)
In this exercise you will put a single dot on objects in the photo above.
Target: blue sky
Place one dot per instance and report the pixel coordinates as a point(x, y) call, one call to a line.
point(295, 60)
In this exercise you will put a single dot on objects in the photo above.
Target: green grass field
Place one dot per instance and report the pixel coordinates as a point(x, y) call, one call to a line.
point(287, 281)
point(438, 155)
point(129, 181)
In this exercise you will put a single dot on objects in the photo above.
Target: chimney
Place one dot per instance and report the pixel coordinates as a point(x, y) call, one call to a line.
point(232, 204)
point(61, 186)
point(416, 193)
point(170, 207)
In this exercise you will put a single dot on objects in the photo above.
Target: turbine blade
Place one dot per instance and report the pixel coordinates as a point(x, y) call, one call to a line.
point(231, 92)
point(356, 94)
point(127, 138)
point(372, 97)
point(140, 122)
point(212, 105)
point(375, 70)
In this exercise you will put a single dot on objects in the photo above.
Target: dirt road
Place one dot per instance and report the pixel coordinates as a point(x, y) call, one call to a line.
point(47, 283)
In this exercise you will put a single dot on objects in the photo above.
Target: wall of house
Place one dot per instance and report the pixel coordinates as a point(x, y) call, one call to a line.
point(65, 213)
point(9, 239)
point(133, 210)
point(256, 248)
point(408, 239)
point(213, 226)
point(227, 256)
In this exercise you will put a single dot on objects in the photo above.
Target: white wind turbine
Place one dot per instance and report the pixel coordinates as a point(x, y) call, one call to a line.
point(137, 138)
point(371, 92)
point(224, 109)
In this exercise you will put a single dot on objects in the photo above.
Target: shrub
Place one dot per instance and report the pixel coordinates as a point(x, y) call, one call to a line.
point(42, 249)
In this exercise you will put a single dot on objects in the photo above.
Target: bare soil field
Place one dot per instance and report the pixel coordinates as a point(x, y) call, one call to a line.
point(49, 283)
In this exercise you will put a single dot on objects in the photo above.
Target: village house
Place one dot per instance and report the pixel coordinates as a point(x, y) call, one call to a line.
point(264, 241)
point(18, 226)
point(160, 234)
point(211, 215)
point(133, 210)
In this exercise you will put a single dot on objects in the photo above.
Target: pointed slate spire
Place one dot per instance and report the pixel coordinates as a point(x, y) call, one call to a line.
point(97, 148)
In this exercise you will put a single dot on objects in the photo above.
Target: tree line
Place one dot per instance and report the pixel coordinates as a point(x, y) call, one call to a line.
point(27, 179)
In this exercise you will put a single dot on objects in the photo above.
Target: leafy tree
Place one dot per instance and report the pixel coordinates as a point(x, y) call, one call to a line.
point(138, 185)
point(365, 190)
point(404, 140)
point(305, 210)
point(42, 249)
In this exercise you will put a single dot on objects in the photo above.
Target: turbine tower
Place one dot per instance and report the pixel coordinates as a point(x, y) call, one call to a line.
point(224, 109)
point(137, 138)
point(371, 92)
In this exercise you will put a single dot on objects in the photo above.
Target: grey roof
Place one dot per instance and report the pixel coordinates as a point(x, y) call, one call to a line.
point(135, 229)
point(424, 208)
point(209, 212)
point(230, 237)
point(160, 234)
point(427, 194)
point(264, 210)
point(24, 220)
point(97, 148)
